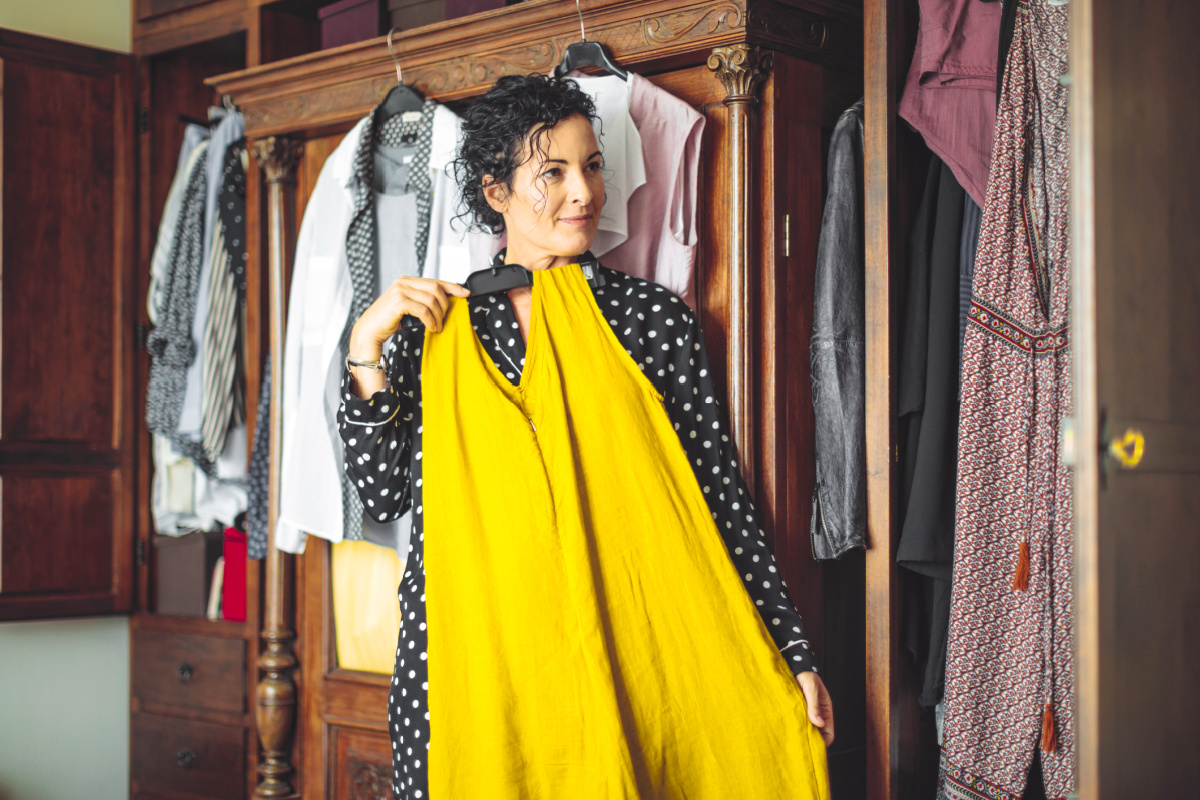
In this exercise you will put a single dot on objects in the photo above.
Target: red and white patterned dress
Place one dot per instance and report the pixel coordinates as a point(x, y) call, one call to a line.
point(1009, 654)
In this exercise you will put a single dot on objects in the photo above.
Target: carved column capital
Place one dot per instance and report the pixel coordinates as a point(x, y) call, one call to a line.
point(742, 68)
point(278, 156)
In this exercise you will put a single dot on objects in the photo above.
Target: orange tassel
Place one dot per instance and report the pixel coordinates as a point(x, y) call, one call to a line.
point(1021, 578)
point(1049, 737)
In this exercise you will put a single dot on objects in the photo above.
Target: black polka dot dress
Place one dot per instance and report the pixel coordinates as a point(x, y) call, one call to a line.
point(383, 460)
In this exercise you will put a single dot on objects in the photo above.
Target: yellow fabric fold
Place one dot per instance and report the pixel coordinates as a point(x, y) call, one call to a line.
point(588, 634)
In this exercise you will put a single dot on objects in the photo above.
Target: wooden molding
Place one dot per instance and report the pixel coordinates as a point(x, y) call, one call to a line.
point(742, 69)
point(278, 157)
point(340, 85)
point(370, 780)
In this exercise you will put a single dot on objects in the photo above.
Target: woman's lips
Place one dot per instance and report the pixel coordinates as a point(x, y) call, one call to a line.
point(579, 222)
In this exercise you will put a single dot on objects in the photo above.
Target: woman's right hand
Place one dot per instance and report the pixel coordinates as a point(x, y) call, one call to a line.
point(424, 298)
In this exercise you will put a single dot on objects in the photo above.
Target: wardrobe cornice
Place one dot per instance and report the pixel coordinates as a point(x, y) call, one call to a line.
point(458, 59)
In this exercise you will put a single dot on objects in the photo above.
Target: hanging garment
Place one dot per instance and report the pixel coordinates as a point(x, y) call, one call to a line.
point(1008, 20)
point(387, 238)
point(221, 496)
point(231, 208)
point(228, 131)
point(928, 420)
point(223, 400)
point(585, 682)
point(949, 96)
point(258, 473)
point(837, 354)
point(322, 295)
point(1010, 669)
point(160, 261)
point(969, 246)
point(663, 338)
point(648, 228)
point(171, 489)
point(170, 343)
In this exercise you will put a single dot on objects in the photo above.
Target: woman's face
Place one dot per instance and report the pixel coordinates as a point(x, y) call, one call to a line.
point(552, 208)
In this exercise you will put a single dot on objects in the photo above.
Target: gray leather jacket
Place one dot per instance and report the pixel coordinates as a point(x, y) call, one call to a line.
point(837, 352)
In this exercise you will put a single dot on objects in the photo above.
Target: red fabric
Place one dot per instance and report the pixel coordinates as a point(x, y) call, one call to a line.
point(950, 94)
point(233, 587)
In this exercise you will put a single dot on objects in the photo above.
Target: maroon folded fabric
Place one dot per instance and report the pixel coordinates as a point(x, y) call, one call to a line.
point(950, 94)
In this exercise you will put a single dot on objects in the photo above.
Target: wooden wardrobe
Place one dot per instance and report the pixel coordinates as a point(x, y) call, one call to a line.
point(771, 79)
point(261, 708)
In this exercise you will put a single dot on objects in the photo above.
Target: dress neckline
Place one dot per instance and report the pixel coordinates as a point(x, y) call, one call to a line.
point(533, 341)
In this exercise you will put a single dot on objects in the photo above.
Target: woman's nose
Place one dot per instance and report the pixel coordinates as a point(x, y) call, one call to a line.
point(578, 188)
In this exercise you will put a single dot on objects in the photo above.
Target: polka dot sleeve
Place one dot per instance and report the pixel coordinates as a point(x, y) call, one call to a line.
point(377, 433)
point(690, 398)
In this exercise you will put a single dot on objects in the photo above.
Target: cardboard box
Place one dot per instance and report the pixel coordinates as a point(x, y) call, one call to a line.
point(351, 21)
point(181, 571)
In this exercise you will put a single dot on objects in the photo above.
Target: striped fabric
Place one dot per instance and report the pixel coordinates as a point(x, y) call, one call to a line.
point(223, 393)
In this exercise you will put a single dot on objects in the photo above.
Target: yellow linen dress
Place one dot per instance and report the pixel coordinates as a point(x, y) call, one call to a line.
point(588, 635)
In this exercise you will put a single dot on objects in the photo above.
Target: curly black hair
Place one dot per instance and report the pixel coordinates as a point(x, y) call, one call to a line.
point(494, 133)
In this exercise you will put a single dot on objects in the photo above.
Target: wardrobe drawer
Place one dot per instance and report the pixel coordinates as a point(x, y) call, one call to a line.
point(178, 755)
point(175, 669)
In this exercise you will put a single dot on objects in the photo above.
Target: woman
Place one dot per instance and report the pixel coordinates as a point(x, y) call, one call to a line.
point(595, 613)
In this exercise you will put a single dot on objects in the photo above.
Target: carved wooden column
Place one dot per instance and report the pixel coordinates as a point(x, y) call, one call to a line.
point(276, 693)
point(742, 68)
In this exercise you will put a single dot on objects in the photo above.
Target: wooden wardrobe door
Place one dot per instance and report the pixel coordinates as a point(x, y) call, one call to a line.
point(1135, 202)
point(67, 411)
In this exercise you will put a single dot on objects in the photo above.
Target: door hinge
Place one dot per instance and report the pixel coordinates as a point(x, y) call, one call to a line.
point(141, 334)
point(139, 553)
point(143, 119)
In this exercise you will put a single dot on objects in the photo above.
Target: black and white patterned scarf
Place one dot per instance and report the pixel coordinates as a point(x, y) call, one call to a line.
point(170, 344)
point(362, 243)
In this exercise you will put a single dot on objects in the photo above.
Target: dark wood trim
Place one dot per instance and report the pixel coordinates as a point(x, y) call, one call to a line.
point(882, 28)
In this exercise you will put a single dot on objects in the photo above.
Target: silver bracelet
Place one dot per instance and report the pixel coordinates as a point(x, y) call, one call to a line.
point(380, 365)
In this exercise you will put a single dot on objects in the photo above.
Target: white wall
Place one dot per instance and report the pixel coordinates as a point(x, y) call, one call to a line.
point(98, 23)
point(64, 684)
point(64, 709)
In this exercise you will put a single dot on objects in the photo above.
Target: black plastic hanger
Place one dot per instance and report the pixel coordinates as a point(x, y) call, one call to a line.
point(501, 277)
point(587, 54)
point(401, 98)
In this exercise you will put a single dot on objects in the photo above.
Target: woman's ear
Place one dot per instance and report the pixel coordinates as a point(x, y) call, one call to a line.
point(495, 194)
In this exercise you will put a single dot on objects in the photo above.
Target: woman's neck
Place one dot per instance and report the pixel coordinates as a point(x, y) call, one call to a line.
point(535, 259)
